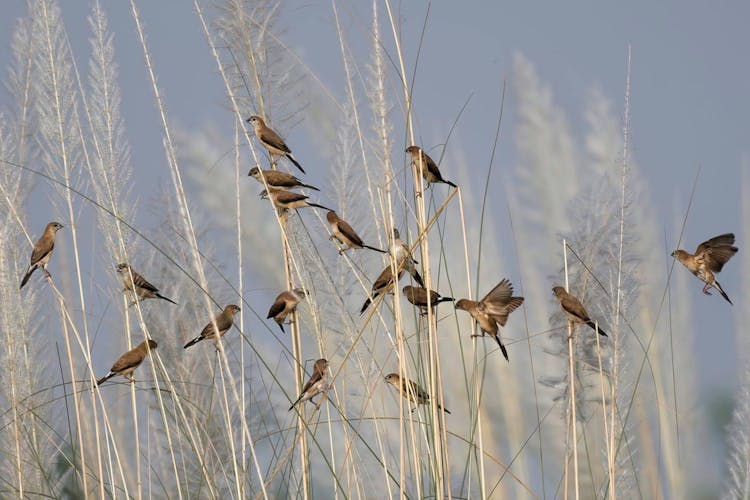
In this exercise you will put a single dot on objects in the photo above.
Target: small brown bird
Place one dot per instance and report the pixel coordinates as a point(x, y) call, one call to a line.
point(400, 253)
point(134, 282)
point(128, 362)
point(344, 234)
point(383, 284)
point(418, 297)
point(285, 304)
point(315, 384)
point(429, 168)
point(278, 179)
point(221, 322)
point(493, 310)
point(42, 252)
point(272, 141)
point(574, 309)
point(286, 200)
point(411, 391)
point(709, 258)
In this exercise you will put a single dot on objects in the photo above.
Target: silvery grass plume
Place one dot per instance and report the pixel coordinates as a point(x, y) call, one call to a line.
point(738, 484)
point(110, 171)
point(380, 107)
point(539, 203)
point(21, 74)
point(23, 436)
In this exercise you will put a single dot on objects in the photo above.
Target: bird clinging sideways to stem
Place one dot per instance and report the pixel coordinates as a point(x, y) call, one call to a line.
point(345, 234)
point(709, 258)
point(134, 282)
point(272, 141)
point(411, 391)
point(400, 253)
point(427, 165)
point(222, 322)
point(276, 179)
point(417, 296)
point(286, 200)
point(383, 284)
point(574, 309)
point(285, 304)
point(493, 310)
point(315, 385)
point(42, 252)
point(128, 362)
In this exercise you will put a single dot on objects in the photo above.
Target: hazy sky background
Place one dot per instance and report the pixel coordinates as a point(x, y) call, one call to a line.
point(689, 97)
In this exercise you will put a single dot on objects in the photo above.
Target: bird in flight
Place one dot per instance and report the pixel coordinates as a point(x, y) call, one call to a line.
point(709, 258)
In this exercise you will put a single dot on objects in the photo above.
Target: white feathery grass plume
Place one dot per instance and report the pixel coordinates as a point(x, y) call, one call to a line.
point(20, 81)
point(738, 462)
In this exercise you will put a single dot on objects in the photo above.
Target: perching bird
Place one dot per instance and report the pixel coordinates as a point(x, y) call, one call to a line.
point(278, 179)
point(271, 140)
point(286, 200)
point(709, 258)
point(285, 304)
point(383, 284)
point(315, 384)
point(493, 310)
point(344, 234)
point(128, 362)
point(418, 297)
point(411, 391)
point(138, 284)
point(429, 168)
point(400, 253)
point(574, 309)
point(221, 322)
point(42, 252)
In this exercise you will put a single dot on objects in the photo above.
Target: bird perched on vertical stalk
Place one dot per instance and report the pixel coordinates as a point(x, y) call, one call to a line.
point(285, 304)
point(315, 385)
point(272, 141)
point(417, 296)
point(137, 284)
point(426, 165)
point(287, 200)
point(216, 329)
point(574, 309)
point(411, 391)
point(345, 234)
point(128, 362)
point(42, 252)
point(400, 253)
point(276, 179)
point(384, 283)
point(493, 310)
point(709, 258)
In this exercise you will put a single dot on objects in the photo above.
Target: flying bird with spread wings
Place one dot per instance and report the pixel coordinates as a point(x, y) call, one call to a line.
point(709, 258)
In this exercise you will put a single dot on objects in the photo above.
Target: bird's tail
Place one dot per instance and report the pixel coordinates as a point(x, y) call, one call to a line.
point(166, 298)
point(27, 276)
point(502, 347)
point(365, 306)
point(308, 186)
point(105, 378)
point(296, 163)
point(193, 342)
point(281, 325)
point(319, 206)
point(295, 403)
point(445, 299)
point(717, 286)
point(417, 277)
point(373, 248)
point(449, 183)
point(593, 327)
point(446, 410)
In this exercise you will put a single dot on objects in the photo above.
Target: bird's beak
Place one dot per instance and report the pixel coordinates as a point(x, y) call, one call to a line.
point(248, 120)
point(672, 254)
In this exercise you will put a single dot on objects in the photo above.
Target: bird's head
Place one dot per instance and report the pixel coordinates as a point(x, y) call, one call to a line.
point(122, 268)
point(679, 254)
point(331, 216)
point(464, 304)
point(301, 292)
point(558, 291)
point(392, 378)
point(254, 172)
point(151, 344)
point(321, 365)
point(413, 150)
point(396, 234)
point(264, 195)
point(255, 121)
point(232, 309)
point(54, 227)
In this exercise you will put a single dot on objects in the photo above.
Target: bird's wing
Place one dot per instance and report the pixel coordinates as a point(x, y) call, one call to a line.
point(416, 393)
point(500, 314)
point(277, 306)
point(290, 196)
point(41, 248)
point(273, 139)
point(314, 379)
point(141, 282)
point(222, 323)
point(721, 240)
point(500, 295)
point(382, 281)
point(350, 234)
point(130, 359)
point(573, 306)
point(717, 251)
